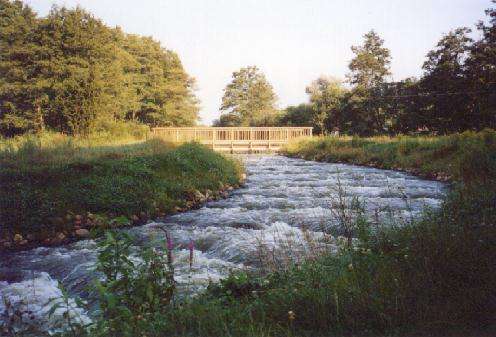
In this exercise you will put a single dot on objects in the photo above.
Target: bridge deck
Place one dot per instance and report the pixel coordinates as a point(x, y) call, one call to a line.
point(235, 139)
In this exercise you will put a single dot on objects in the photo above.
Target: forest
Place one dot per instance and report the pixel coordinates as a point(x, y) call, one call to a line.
point(68, 72)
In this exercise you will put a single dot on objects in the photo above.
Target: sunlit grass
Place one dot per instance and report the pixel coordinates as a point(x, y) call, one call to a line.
point(52, 148)
point(454, 157)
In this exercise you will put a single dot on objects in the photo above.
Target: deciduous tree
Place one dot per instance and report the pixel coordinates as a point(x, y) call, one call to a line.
point(325, 94)
point(249, 98)
point(368, 71)
point(371, 63)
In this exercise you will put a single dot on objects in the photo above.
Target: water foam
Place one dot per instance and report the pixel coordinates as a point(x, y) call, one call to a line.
point(34, 298)
point(257, 225)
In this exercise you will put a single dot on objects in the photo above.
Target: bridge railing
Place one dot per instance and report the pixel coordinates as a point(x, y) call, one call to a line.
point(234, 138)
point(184, 134)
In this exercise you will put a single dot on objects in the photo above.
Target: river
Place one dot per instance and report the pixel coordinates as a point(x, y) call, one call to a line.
point(281, 196)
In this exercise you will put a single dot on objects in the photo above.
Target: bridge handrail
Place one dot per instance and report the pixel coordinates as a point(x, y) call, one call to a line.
point(215, 134)
point(231, 127)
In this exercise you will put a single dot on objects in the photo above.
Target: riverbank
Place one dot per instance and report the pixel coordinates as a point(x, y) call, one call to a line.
point(429, 276)
point(57, 191)
point(458, 157)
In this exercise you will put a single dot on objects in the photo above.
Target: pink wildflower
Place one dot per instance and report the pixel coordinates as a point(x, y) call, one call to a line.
point(170, 247)
point(191, 247)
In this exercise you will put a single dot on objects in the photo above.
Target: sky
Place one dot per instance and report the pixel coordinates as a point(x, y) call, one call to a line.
point(292, 41)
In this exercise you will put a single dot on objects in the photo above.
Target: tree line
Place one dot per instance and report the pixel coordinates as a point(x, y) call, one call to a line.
point(456, 92)
point(71, 73)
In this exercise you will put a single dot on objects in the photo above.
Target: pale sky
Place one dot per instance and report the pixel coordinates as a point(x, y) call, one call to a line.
point(292, 41)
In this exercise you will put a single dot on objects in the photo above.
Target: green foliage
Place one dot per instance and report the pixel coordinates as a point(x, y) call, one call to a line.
point(363, 114)
point(460, 157)
point(52, 148)
point(66, 303)
point(481, 72)
point(300, 115)
point(71, 73)
point(370, 66)
point(20, 96)
point(445, 73)
point(135, 286)
point(41, 186)
point(325, 98)
point(433, 275)
point(323, 113)
point(248, 100)
point(430, 275)
point(162, 92)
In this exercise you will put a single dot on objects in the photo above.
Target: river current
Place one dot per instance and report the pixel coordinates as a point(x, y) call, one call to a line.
point(284, 202)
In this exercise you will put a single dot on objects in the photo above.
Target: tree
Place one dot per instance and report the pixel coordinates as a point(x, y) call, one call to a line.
point(364, 113)
point(69, 72)
point(249, 98)
point(228, 120)
point(300, 115)
point(325, 97)
point(444, 82)
point(163, 90)
point(481, 73)
point(20, 95)
point(404, 107)
point(371, 63)
point(76, 68)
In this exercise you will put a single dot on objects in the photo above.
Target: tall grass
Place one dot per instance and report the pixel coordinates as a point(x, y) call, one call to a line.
point(454, 157)
point(428, 276)
point(52, 183)
point(53, 148)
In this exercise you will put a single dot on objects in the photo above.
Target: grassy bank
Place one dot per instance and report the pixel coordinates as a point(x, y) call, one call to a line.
point(432, 277)
point(458, 157)
point(54, 188)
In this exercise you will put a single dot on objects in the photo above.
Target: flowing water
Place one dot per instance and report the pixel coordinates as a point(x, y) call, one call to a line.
point(282, 196)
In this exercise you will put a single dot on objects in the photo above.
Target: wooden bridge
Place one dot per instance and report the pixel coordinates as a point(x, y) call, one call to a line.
point(235, 139)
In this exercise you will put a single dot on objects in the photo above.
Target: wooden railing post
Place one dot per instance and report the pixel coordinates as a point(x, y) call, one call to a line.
point(269, 140)
point(213, 138)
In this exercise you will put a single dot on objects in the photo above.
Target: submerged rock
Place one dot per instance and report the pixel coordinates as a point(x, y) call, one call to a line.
point(82, 233)
point(59, 239)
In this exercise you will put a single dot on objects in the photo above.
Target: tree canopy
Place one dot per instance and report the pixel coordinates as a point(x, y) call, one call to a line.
point(249, 100)
point(371, 63)
point(68, 72)
point(325, 97)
